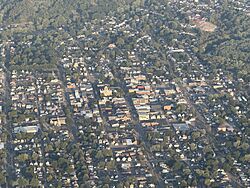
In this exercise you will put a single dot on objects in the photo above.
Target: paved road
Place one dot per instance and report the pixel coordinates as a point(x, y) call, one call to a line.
point(140, 132)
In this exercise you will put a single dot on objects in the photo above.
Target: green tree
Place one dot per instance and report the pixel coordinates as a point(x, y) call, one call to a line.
point(99, 155)
point(22, 182)
point(195, 135)
point(23, 157)
point(2, 178)
point(192, 146)
point(34, 182)
point(207, 182)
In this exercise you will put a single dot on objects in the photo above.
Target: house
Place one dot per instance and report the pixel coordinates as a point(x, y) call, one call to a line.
point(140, 101)
point(71, 85)
point(58, 121)
point(26, 129)
point(169, 91)
point(106, 92)
point(143, 116)
point(167, 107)
point(1, 145)
point(140, 77)
point(111, 46)
point(180, 126)
point(223, 127)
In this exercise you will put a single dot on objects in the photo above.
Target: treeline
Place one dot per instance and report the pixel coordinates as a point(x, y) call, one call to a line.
point(54, 13)
point(229, 46)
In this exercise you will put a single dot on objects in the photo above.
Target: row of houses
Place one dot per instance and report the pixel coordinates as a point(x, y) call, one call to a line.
point(80, 90)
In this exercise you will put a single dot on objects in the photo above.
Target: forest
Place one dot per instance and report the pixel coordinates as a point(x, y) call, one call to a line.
point(53, 13)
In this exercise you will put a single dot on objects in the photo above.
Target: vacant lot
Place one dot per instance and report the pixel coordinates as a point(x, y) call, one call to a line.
point(205, 26)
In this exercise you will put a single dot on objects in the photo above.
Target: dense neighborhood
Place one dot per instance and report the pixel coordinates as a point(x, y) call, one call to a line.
point(125, 104)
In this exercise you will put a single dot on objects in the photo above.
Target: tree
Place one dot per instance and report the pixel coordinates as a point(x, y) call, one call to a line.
point(2, 178)
point(49, 178)
point(111, 165)
point(107, 153)
point(23, 157)
point(120, 41)
point(70, 169)
point(207, 149)
point(22, 182)
point(196, 134)
point(192, 146)
point(199, 172)
point(194, 182)
point(101, 165)
point(85, 177)
point(246, 158)
point(35, 156)
point(183, 183)
point(207, 182)
point(48, 148)
point(99, 155)
point(106, 186)
point(245, 146)
point(34, 182)
point(120, 185)
point(177, 165)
